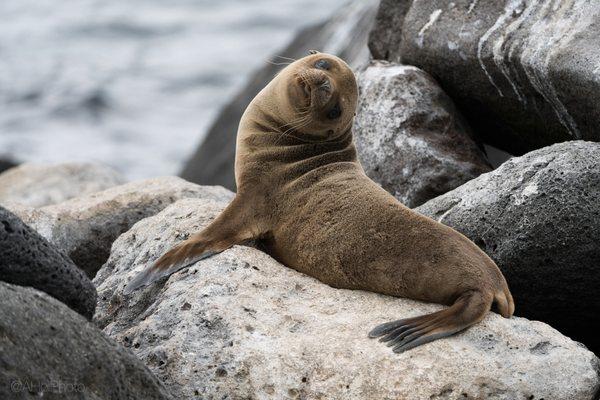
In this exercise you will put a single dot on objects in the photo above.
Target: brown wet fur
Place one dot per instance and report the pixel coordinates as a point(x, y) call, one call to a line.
point(302, 192)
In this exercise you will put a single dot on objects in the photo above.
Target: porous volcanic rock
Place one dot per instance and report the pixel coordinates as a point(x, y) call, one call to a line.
point(27, 259)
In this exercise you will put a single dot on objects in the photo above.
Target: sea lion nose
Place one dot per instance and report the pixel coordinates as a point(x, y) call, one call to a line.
point(325, 85)
point(324, 90)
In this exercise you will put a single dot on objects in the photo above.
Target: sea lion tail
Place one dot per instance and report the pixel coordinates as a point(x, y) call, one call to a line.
point(179, 257)
point(468, 309)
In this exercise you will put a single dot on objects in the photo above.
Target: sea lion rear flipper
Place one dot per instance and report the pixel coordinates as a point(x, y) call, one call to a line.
point(406, 334)
point(228, 229)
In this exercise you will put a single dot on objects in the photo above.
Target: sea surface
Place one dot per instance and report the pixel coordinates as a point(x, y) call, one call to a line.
point(131, 83)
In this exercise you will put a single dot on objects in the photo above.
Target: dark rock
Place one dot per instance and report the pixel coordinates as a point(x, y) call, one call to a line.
point(525, 74)
point(409, 136)
point(48, 351)
point(27, 259)
point(6, 163)
point(538, 217)
point(495, 156)
point(344, 34)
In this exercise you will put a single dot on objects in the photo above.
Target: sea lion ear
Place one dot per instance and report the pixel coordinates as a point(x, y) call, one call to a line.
point(313, 52)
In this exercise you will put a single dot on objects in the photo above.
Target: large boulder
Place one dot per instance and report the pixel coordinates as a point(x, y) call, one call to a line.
point(48, 351)
point(27, 259)
point(525, 73)
point(343, 34)
point(410, 137)
point(240, 325)
point(85, 227)
point(538, 217)
point(38, 185)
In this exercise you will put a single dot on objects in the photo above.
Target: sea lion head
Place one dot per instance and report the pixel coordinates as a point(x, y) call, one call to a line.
point(317, 97)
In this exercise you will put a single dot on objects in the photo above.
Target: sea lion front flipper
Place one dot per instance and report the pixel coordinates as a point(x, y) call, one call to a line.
point(408, 333)
point(178, 258)
point(228, 229)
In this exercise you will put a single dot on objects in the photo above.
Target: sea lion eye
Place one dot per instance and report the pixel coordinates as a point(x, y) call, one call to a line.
point(335, 112)
point(322, 64)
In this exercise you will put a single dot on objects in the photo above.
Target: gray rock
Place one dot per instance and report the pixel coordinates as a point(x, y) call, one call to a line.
point(344, 34)
point(240, 325)
point(37, 185)
point(525, 73)
point(85, 227)
point(48, 351)
point(27, 259)
point(409, 136)
point(538, 217)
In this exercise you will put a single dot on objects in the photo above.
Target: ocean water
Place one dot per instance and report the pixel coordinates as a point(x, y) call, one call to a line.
point(131, 83)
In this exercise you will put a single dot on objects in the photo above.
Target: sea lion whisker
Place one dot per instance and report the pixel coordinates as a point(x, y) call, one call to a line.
point(278, 63)
point(294, 121)
point(297, 126)
point(300, 124)
point(285, 58)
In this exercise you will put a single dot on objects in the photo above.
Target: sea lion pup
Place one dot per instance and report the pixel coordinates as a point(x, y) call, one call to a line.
point(303, 195)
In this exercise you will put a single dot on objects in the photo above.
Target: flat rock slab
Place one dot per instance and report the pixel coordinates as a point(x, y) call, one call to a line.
point(27, 259)
point(48, 351)
point(241, 325)
point(85, 227)
point(410, 137)
point(38, 185)
point(525, 73)
point(538, 217)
